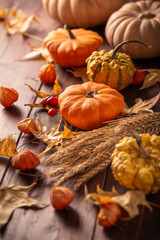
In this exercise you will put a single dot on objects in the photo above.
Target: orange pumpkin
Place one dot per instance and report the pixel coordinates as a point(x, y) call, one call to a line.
point(71, 48)
point(87, 106)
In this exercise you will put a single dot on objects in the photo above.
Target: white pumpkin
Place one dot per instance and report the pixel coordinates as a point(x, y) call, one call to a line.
point(136, 21)
point(81, 13)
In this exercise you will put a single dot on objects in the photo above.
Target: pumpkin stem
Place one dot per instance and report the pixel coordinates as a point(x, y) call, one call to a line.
point(91, 93)
point(71, 35)
point(144, 153)
point(146, 15)
point(115, 50)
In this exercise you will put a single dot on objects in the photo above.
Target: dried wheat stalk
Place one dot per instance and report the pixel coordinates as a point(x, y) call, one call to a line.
point(88, 153)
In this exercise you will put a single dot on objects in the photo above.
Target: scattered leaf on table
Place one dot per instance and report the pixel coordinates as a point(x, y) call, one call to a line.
point(79, 72)
point(38, 93)
point(37, 52)
point(128, 201)
point(8, 146)
point(17, 22)
point(131, 200)
point(3, 13)
point(56, 87)
point(15, 196)
point(53, 136)
point(151, 78)
point(141, 106)
point(101, 197)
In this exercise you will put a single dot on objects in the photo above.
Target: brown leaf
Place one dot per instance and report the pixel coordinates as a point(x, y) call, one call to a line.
point(128, 201)
point(15, 196)
point(151, 78)
point(141, 106)
point(53, 136)
point(17, 22)
point(8, 146)
point(79, 73)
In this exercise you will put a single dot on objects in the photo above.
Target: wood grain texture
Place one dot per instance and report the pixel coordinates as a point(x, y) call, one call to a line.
point(78, 221)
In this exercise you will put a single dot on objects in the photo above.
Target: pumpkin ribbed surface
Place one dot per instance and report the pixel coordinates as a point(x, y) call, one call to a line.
point(81, 13)
point(89, 105)
point(115, 72)
point(136, 20)
point(133, 170)
point(69, 52)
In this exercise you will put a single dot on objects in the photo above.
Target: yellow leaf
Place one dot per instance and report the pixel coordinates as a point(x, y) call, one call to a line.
point(15, 196)
point(38, 93)
point(17, 22)
point(3, 13)
point(8, 146)
point(53, 136)
point(56, 88)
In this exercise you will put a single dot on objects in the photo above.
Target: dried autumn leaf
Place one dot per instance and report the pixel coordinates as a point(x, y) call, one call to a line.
point(141, 106)
point(131, 200)
point(37, 52)
point(56, 88)
point(15, 196)
point(3, 13)
point(38, 93)
point(128, 201)
point(151, 78)
point(8, 146)
point(17, 21)
point(80, 72)
point(53, 136)
point(101, 197)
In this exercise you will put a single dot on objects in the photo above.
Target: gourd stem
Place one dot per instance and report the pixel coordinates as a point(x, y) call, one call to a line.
point(115, 50)
point(91, 93)
point(71, 35)
point(144, 153)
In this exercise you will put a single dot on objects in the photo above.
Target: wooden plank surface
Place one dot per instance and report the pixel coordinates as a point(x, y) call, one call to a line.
point(78, 221)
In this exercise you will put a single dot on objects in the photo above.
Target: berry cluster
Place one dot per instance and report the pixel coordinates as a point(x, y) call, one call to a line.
point(50, 104)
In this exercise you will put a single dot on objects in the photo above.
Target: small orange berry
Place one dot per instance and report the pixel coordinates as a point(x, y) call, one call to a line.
point(60, 197)
point(26, 124)
point(47, 73)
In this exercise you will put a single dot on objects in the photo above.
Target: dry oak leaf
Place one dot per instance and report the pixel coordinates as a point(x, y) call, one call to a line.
point(151, 78)
point(3, 13)
point(130, 200)
point(17, 22)
point(15, 196)
point(53, 136)
point(37, 52)
point(8, 146)
point(141, 106)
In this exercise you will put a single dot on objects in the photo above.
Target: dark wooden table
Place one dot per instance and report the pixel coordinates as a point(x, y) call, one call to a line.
point(79, 220)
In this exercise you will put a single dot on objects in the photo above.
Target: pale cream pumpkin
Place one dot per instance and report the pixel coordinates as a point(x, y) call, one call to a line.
point(81, 13)
point(136, 21)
